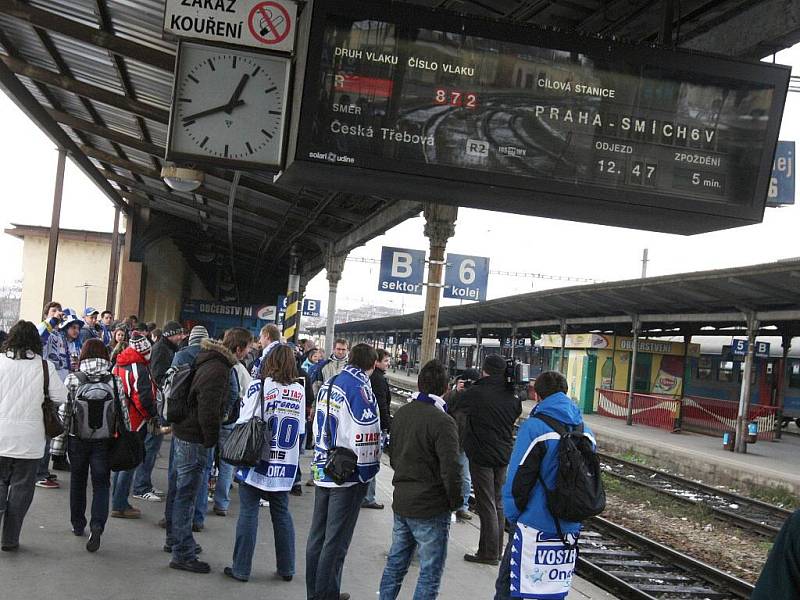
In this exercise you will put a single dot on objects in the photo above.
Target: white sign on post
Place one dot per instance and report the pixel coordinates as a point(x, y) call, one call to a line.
point(265, 24)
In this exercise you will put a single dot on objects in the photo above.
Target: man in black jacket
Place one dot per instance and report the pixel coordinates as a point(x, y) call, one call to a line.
point(192, 437)
point(380, 387)
point(427, 485)
point(160, 360)
point(491, 408)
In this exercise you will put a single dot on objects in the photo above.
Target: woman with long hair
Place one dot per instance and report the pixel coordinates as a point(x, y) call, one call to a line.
point(22, 438)
point(94, 406)
point(119, 341)
point(282, 399)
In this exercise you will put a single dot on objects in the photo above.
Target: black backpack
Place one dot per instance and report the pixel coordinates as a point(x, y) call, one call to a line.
point(175, 392)
point(579, 492)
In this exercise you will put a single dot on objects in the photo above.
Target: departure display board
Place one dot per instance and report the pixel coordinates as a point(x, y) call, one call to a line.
point(402, 100)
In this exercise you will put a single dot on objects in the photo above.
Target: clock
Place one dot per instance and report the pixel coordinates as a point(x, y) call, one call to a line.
point(228, 107)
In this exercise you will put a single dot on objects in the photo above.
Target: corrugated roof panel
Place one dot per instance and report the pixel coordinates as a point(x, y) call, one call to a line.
point(115, 119)
point(88, 64)
point(82, 11)
point(26, 43)
point(140, 21)
point(150, 84)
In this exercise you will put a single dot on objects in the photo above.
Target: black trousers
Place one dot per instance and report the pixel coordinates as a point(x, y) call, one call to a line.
point(487, 482)
point(17, 479)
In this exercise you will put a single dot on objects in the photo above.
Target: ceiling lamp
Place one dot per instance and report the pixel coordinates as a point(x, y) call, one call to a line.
point(182, 179)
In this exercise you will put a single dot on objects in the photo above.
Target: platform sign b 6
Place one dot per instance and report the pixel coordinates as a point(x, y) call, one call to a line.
point(466, 277)
point(402, 271)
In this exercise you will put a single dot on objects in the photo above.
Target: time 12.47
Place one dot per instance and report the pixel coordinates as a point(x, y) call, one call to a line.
point(636, 172)
point(457, 98)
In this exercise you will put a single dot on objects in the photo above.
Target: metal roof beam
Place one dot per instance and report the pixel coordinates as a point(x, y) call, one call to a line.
point(85, 90)
point(112, 135)
point(50, 21)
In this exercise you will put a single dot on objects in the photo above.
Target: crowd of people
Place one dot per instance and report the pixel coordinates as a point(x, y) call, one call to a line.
point(112, 381)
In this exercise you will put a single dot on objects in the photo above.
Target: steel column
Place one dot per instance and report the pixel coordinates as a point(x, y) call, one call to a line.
point(744, 395)
point(52, 246)
point(439, 227)
point(113, 267)
point(563, 347)
point(632, 374)
point(334, 265)
point(291, 320)
point(786, 345)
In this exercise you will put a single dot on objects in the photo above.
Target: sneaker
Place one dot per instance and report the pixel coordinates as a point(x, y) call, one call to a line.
point(128, 513)
point(263, 502)
point(375, 505)
point(193, 566)
point(51, 477)
point(48, 484)
point(296, 491)
point(9, 547)
point(463, 515)
point(158, 492)
point(149, 496)
point(344, 596)
point(220, 512)
point(310, 483)
point(94, 540)
point(198, 527)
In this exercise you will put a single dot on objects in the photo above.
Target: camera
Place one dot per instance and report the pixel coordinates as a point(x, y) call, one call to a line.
point(517, 373)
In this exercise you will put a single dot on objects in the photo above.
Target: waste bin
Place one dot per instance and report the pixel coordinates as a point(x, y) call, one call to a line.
point(729, 440)
point(752, 432)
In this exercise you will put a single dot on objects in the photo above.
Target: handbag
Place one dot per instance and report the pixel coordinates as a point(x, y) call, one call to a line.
point(127, 448)
point(53, 426)
point(244, 446)
point(341, 463)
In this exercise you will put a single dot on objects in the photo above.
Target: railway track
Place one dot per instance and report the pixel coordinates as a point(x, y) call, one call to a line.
point(750, 514)
point(633, 567)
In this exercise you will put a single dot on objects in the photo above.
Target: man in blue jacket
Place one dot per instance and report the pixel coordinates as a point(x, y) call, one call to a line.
point(536, 564)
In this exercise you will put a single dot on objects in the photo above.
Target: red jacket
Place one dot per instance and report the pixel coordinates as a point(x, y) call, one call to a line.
point(134, 371)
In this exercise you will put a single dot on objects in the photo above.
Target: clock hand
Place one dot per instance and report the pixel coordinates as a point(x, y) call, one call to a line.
point(237, 93)
point(212, 111)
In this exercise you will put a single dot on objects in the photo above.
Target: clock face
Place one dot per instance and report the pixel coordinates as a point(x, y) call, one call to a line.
point(229, 106)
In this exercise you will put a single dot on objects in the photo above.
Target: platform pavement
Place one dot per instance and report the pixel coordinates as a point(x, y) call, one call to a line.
point(701, 456)
point(130, 564)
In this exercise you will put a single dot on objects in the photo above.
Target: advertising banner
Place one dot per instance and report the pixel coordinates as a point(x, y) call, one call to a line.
point(781, 184)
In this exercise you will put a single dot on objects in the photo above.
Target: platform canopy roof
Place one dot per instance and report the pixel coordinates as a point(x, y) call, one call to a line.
point(96, 77)
point(704, 302)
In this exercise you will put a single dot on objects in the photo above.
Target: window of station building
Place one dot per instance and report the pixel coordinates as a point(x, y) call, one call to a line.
point(794, 374)
point(705, 368)
point(726, 371)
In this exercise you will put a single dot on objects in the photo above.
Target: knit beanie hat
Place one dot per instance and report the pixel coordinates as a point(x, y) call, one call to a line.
point(494, 364)
point(171, 328)
point(197, 335)
point(140, 343)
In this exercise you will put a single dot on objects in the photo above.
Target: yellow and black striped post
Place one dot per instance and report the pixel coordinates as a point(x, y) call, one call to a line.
point(291, 320)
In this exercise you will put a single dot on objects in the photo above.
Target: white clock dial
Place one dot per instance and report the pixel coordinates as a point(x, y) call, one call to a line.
point(229, 105)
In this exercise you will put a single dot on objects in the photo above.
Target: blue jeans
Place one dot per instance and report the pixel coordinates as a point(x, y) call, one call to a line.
point(502, 587)
point(199, 509)
point(43, 470)
point(370, 497)
point(84, 454)
point(201, 502)
point(189, 461)
point(121, 484)
point(336, 512)
point(142, 478)
point(222, 491)
point(429, 538)
point(247, 530)
point(466, 479)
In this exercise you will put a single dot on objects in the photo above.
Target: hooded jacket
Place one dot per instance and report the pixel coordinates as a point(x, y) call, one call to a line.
point(536, 453)
point(208, 395)
point(161, 359)
point(95, 369)
point(134, 371)
point(21, 395)
point(491, 409)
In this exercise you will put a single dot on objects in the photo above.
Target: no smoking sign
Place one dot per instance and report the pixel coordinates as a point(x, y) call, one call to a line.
point(270, 23)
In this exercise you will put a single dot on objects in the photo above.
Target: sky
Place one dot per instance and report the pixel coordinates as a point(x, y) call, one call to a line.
point(512, 242)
